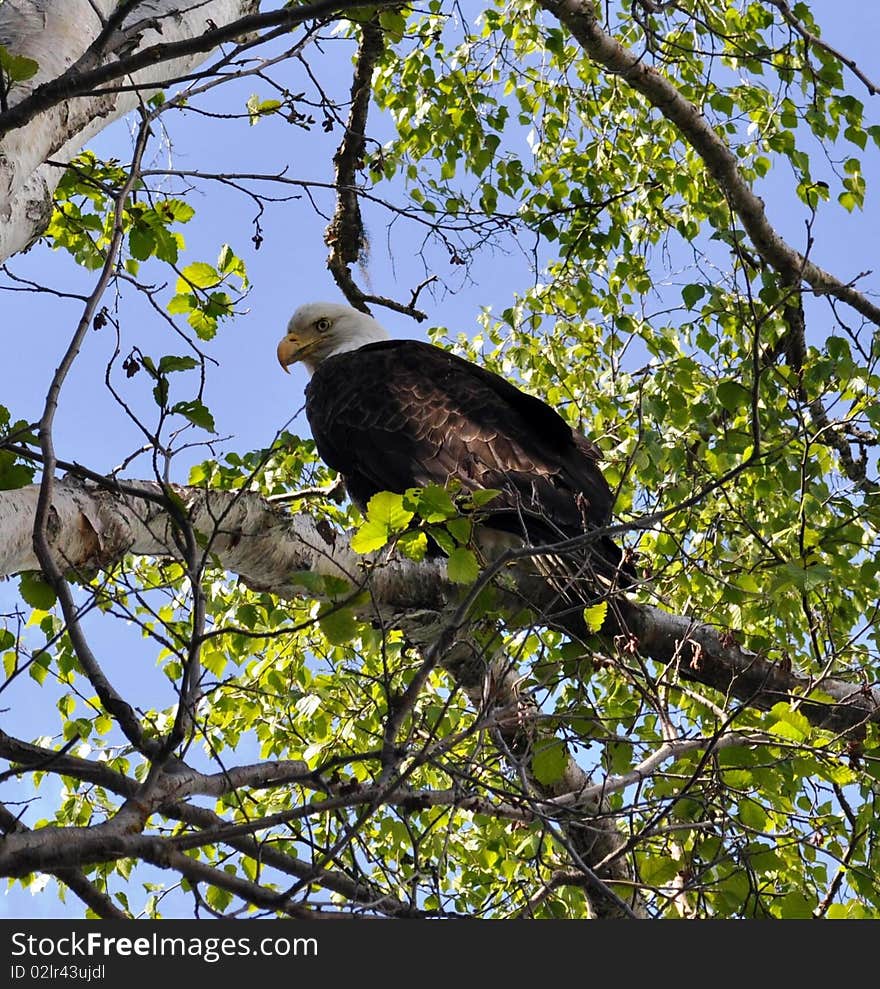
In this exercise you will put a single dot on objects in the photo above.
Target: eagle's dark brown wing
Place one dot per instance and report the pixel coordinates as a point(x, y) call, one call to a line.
point(402, 413)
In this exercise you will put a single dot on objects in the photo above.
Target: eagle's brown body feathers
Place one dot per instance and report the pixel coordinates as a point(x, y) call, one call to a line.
point(397, 414)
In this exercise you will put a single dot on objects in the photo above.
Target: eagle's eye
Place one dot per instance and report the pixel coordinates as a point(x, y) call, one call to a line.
point(323, 324)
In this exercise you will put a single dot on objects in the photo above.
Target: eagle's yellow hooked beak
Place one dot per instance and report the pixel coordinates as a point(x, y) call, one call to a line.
point(290, 350)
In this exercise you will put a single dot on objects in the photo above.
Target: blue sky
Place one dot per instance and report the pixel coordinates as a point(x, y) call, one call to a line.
point(249, 395)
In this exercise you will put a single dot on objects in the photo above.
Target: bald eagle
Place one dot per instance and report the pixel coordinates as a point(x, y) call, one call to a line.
point(393, 414)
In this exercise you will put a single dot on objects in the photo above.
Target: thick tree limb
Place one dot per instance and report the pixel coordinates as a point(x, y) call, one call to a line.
point(70, 876)
point(345, 235)
point(93, 529)
point(50, 848)
point(263, 775)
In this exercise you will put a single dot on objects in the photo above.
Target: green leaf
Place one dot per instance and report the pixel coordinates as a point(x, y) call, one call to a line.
point(549, 761)
point(386, 508)
point(790, 723)
point(443, 539)
point(13, 474)
point(218, 305)
point(258, 108)
point(434, 503)
point(103, 724)
point(36, 590)
point(39, 668)
point(413, 545)
point(462, 566)
point(197, 413)
point(183, 303)
point(691, 294)
point(141, 242)
point(386, 514)
point(732, 395)
point(595, 616)
point(226, 258)
point(17, 68)
point(460, 529)
point(369, 537)
point(10, 663)
point(752, 814)
point(338, 625)
point(176, 210)
point(217, 898)
point(199, 274)
point(214, 660)
point(483, 496)
point(804, 578)
point(659, 871)
point(204, 325)
point(160, 392)
point(795, 906)
point(393, 24)
point(312, 581)
point(170, 363)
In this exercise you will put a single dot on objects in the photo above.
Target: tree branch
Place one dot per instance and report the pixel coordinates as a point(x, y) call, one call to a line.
point(48, 563)
point(72, 877)
point(581, 18)
point(345, 234)
point(77, 82)
point(811, 39)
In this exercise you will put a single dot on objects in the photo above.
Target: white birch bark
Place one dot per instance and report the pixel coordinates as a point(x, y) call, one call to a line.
point(56, 34)
point(266, 547)
point(269, 550)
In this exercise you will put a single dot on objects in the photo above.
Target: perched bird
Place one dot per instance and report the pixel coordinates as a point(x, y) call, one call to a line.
point(395, 414)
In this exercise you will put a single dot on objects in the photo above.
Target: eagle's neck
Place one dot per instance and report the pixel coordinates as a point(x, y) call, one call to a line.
point(361, 340)
point(367, 330)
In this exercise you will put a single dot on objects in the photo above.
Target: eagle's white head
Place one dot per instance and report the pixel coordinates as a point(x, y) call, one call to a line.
point(319, 330)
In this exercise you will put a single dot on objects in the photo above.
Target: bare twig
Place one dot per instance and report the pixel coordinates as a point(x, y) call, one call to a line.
point(812, 39)
point(111, 700)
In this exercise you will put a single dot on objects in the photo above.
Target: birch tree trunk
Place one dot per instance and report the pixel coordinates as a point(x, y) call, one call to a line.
point(68, 36)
